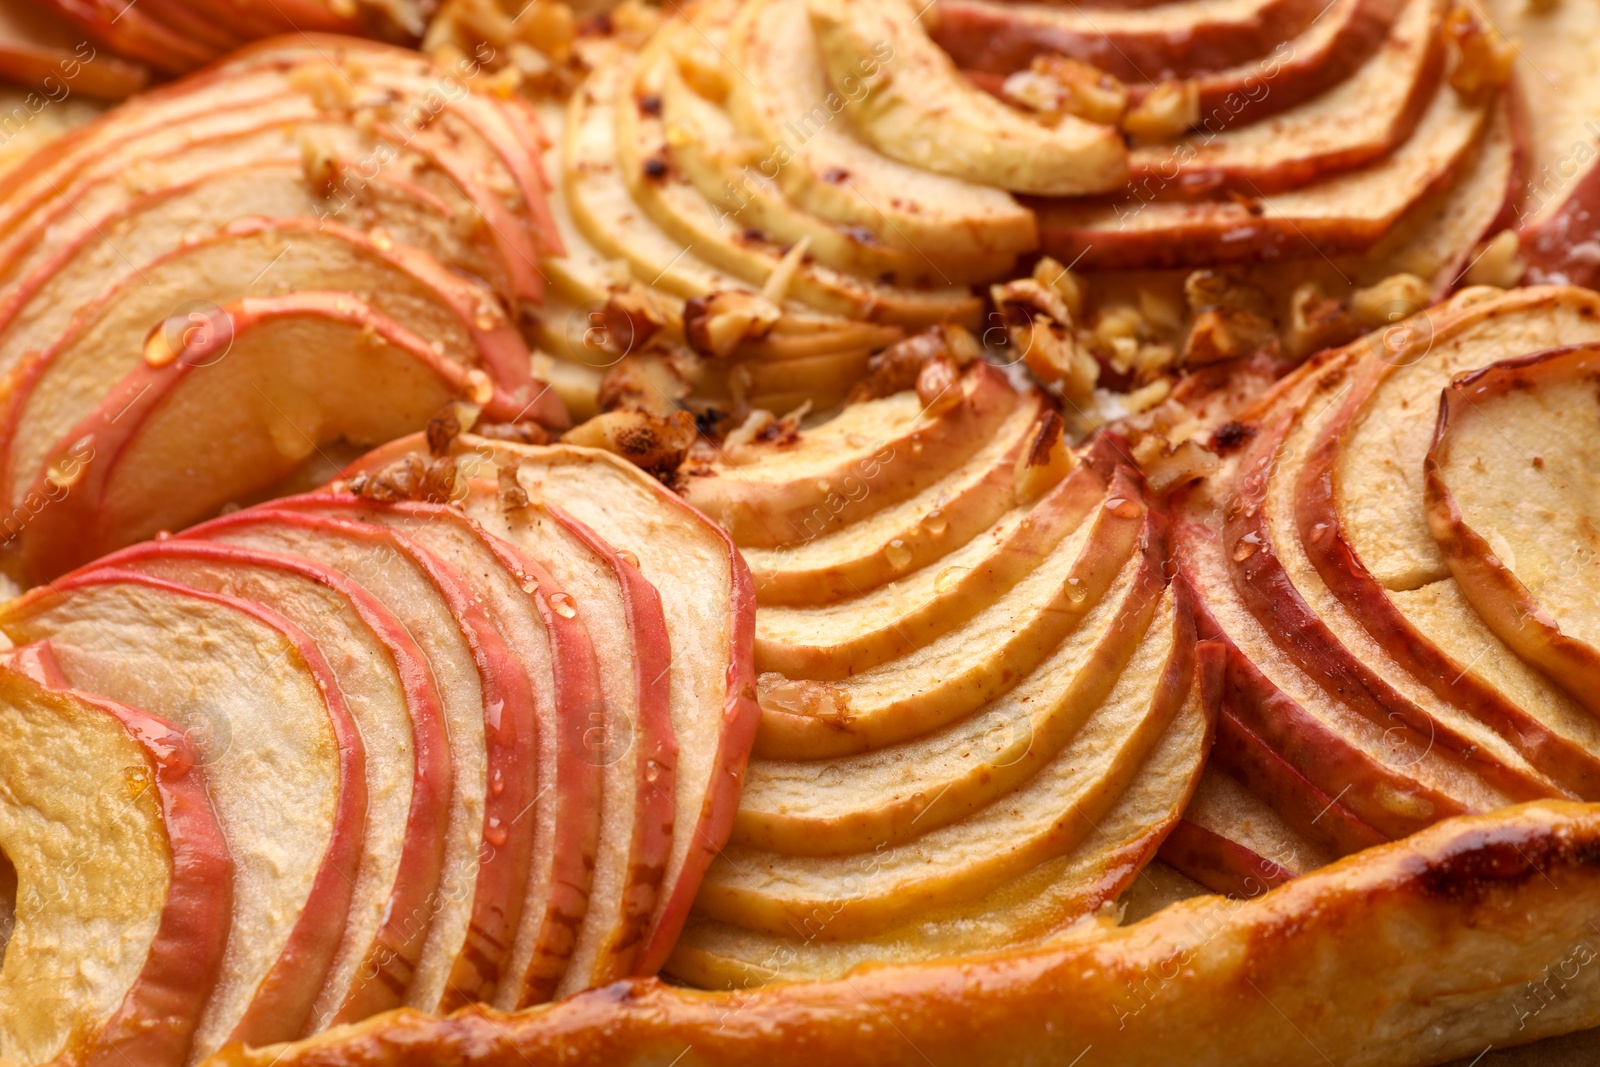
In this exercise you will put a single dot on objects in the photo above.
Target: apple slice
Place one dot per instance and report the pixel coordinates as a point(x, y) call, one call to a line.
point(134, 34)
point(898, 791)
point(91, 973)
point(1036, 906)
point(1342, 213)
point(285, 769)
point(1510, 504)
point(629, 738)
point(384, 678)
point(868, 457)
point(1384, 566)
point(39, 50)
point(488, 711)
point(905, 97)
point(536, 618)
point(1231, 842)
point(615, 116)
point(267, 382)
point(1046, 816)
point(822, 167)
point(853, 635)
point(841, 559)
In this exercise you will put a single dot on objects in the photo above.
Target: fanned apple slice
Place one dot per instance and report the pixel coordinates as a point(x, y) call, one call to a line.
point(1511, 501)
point(779, 97)
point(644, 148)
point(284, 768)
point(868, 457)
point(855, 804)
point(462, 321)
point(265, 383)
point(851, 636)
point(124, 880)
point(1231, 842)
point(841, 559)
point(384, 678)
point(1030, 908)
point(488, 710)
point(39, 50)
point(905, 97)
point(535, 619)
point(1343, 213)
point(629, 738)
point(1383, 564)
point(1050, 814)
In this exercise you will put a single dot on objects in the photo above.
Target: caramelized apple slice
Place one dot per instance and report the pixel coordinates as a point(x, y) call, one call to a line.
point(39, 50)
point(538, 620)
point(1231, 842)
point(488, 709)
point(123, 879)
point(382, 674)
point(284, 769)
point(1511, 503)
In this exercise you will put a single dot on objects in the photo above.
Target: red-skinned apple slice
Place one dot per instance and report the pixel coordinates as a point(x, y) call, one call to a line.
point(285, 774)
point(384, 678)
point(488, 706)
point(1231, 842)
point(133, 33)
point(127, 883)
point(530, 610)
point(41, 51)
point(1510, 502)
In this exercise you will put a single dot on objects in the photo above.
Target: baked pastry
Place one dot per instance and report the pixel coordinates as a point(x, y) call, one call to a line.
point(993, 532)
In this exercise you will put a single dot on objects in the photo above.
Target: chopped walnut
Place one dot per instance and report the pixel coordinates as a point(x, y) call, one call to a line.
point(654, 443)
point(1039, 325)
point(1483, 57)
point(1206, 289)
point(448, 423)
point(896, 368)
point(1054, 86)
point(1167, 111)
point(1394, 298)
point(1166, 465)
point(1221, 333)
point(412, 477)
point(630, 319)
point(1049, 272)
point(1317, 321)
point(1497, 263)
point(715, 325)
point(319, 164)
point(1043, 461)
point(939, 386)
point(1148, 396)
point(653, 382)
point(525, 432)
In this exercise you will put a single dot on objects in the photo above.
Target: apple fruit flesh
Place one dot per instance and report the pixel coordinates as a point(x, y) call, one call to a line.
point(122, 877)
point(284, 769)
point(1232, 842)
point(1511, 505)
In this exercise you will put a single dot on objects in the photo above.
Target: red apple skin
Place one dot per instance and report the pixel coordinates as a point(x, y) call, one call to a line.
point(1220, 864)
point(156, 1020)
point(283, 1000)
point(507, 841)
point(385, 973)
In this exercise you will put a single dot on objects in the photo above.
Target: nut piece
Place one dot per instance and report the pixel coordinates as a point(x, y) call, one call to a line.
point(631, 318)
point(1497, 263)
point(1043, 462)
point(1483, 57)
point(1317, 322)
point(1166, 465)
point(1054, 86)
point(654, 443)
point(1396, 297)
point(1168, 110)
point(411, 477)
point(1227, 333)
point(1039, 325)
point(1205, 289)
point(448, 423)
point(899, 367)
point(939, 386)
point(1049, 272)
point(715, 325)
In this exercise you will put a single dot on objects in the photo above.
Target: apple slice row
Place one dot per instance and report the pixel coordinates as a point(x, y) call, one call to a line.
point(42, 50)
point(328, 200)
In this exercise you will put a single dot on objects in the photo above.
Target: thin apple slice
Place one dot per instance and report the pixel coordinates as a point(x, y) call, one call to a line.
point(284, 767)
point(630, 738)
point(487, 704)
point(114, 947)
point(1343, 213)
point(39, 50)
point(853, 635)
point(536, 618)
point(1383, 564)
point(1048, 815)
point(905, 97)
point(825, 170)
point(384, 678)
point(854, 804)
point(615, 109)
point(134, 34)
point(868, 457)
point(1511, 503)
point(462, 320)
point(264, 384)
point(1036, 906)
point(1231, 842)
point(837, 560)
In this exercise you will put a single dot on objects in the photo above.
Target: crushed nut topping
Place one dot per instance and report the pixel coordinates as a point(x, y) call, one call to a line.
point(715, 325)
point(654, 443)
point(1497, 263)
point(411, 477)
point(1317, 322)
point(1043, 462)
point(630, 319)
point(1483, 57)
point(1394, 298)
point(1039, 325)
point(1167, 111)
point(1055, 86)
point(1221, 333)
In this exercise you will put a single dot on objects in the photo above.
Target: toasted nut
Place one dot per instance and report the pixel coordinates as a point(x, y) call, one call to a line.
point(548, 26)
point(1394, 298)
point(319, 164)
point(1153, 360)
point(715, 325)
point(1163, 313)
point(962, 346)
point(705, 71)
point(1055, 86)
point(1205, 289)
point(1483, 57)
point(631, 318)
point(1039, 325)
point(1166, 465)
point(1225, 333)
point(448, 423)
point(1166, 111)
point(1043, 461)
point(939, 385)
point(652, 382)
point(1027, 298)
point(897, 368)
point(411, 477)
point(1497, 263)
point(1051, 273)
point(654, 443)
point(525, 432)
point(1317, 322)
point(1147, 397)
